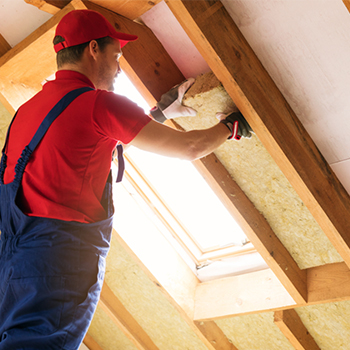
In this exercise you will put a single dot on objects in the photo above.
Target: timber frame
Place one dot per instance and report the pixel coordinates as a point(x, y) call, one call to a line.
point(231, 59)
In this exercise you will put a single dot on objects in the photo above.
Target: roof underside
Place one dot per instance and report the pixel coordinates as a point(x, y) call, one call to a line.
point(286, 84)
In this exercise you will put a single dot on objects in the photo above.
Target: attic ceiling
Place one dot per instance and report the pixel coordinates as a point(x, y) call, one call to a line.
point(285, 66)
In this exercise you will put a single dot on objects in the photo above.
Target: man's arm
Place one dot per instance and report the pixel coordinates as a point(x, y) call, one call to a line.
point(189, 145)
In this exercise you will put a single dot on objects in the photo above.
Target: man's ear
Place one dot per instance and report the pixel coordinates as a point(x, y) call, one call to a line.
point(93, 48)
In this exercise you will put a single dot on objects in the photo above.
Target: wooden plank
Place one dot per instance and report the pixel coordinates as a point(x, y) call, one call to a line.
point(328, 283)
point(290, 324)
point(262, 292)
point(215, 335)
point(255, 227)
point(91, 343)
point(48, 6)
point(131, 9)
point(254, 292)
point(4, 46)
point(28, 64)
point(232, 60)
point(124, 320)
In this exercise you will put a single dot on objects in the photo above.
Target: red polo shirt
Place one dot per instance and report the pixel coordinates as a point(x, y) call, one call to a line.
point(66, 174)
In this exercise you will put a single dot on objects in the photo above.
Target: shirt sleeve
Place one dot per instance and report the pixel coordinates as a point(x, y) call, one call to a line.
point(117, 117)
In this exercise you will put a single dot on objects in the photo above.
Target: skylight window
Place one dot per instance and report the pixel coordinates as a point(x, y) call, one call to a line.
point(181, 200)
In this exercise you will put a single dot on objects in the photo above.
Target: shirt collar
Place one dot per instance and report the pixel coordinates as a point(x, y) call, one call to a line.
point(73, 75)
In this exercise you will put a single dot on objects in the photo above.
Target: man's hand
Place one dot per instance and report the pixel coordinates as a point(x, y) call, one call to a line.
point(170, 105)
point(236, 123)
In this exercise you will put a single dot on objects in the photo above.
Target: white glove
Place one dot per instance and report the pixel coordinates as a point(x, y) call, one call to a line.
point(170, 105)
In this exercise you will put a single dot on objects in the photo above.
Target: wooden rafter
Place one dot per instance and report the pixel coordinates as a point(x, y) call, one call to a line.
point(291, 326)
point(230, 57)
point(91, 343)
point(215, 335)
point(328, 283)
point(131, 9)
point(124, 320)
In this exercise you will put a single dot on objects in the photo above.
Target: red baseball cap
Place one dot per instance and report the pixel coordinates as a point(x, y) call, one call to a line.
point(81, 26)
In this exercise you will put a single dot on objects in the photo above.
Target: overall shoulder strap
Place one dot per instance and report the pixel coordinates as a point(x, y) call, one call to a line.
point(54, 113)
point(44, 126)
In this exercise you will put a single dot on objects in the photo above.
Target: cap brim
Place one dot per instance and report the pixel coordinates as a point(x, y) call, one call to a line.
point(125, 38)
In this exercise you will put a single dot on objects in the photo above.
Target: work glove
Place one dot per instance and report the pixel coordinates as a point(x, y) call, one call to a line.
point(170, 105)
point(237, 125)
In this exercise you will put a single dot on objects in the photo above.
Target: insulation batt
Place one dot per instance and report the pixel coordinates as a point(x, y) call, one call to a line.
point(254, 170)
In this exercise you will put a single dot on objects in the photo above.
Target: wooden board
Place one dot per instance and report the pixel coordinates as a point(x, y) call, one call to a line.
point(289, 322)
point(131, 9)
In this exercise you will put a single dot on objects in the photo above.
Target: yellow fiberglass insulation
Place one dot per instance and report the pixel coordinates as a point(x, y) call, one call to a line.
point(254, 170)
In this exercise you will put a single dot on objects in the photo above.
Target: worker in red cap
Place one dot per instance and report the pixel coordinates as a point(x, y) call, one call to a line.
point(55, 206)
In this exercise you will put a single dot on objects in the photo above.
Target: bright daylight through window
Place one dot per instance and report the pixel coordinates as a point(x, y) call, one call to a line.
point(184, 204)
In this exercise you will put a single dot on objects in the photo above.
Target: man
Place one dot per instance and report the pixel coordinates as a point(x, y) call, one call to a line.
point(56, 207)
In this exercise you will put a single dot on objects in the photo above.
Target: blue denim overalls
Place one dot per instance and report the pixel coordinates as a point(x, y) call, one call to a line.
point(51, 271)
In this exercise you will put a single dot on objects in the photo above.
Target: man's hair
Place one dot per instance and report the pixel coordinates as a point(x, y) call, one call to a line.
point(73, 54)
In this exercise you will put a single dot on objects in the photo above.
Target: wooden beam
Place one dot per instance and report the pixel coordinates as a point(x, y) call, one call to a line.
point(223, 46)
point(28, 64)
point(261, 292)
point(4, 46)
point(48, 6)
point(328, 283)
point(130, 9)
point(290, 324)
point(124, 320)
point(250, 293)
point(215, 335)
point(91, 343)
point(255, 227)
